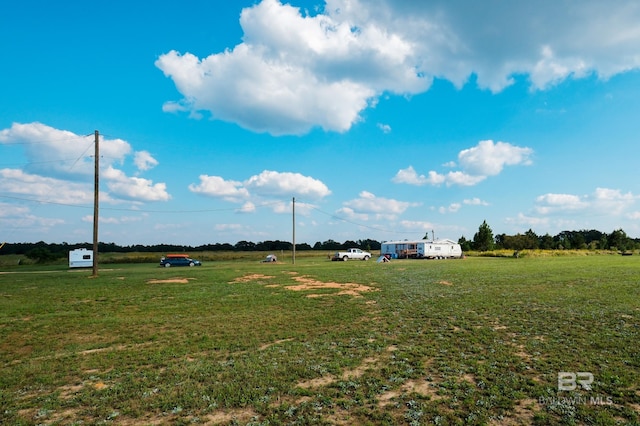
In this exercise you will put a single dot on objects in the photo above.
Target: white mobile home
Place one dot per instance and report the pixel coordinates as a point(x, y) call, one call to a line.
point(422, 249)
point(81, 258)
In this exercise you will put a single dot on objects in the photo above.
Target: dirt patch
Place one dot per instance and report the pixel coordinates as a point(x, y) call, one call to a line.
point(340, 417)
point(170, 280)
point(521, 352)
point(241, 415)
point(423, 388)
point(67, 392)
point(234, 416)
point(470, 378)
point(359, 370)
point(317, 383)
point(386, 398)
point(100, 385)
point(346, 375)
point(51, 416)
point(351, 289)
point(306, 283)
point(523, 413)
point(251, 277)
point(277, 342)
point(115, 348)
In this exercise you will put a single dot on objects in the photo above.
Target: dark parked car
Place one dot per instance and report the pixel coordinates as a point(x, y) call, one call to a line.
point(178, 260)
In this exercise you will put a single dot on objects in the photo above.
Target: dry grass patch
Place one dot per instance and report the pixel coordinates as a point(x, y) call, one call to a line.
point(251, 277)
point(423, 388)
point(170, 281)
point(307, 283)
point(359, 370)
point(317, 382)
point(277, 342)
point(350, 289)
point(116, 348)
point(523, 413)
point(240, 415)
point(346, 375)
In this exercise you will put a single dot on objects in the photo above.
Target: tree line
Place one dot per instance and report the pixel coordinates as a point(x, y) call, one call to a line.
point(44, 252)
point(483, 240)
point(591, 239)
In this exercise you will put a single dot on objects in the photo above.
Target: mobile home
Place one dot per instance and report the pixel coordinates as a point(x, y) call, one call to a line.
point(81, 258)
point(422, 249)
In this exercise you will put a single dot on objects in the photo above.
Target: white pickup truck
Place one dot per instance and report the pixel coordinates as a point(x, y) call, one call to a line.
point(352, 253)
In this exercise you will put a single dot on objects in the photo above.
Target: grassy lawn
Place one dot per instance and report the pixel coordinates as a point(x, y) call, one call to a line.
point(472, 341)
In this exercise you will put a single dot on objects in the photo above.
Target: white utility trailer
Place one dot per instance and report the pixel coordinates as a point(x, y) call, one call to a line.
point(81, 258)
point(422, 249)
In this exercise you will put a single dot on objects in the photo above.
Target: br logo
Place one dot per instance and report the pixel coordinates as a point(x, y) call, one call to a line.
point(568, 381)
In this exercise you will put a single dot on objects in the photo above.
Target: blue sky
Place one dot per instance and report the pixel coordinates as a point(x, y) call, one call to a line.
point(384, 119)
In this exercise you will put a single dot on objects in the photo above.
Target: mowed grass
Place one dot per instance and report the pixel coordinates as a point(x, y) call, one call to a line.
point(472, 341)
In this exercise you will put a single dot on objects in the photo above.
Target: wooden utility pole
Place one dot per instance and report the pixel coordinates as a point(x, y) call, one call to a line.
point(96, 191)
point(294, 230)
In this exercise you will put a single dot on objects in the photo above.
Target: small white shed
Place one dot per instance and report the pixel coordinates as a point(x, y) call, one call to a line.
point(81, 258)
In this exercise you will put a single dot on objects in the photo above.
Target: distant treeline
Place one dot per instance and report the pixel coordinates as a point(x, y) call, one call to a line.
point(483, 240)
point(62, 250)
point(590, 239)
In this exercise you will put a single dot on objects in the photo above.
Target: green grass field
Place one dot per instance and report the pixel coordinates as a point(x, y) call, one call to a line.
point(472, 341)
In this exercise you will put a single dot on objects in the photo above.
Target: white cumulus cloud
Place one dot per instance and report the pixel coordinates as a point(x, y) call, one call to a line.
point(489, 158)
point(18, 182)
point(477, 163)
point(287, 184)
point(295, 71)
point(411, 177)
point(134, 188)
point(550, 203)
point(61, 161)
point(216, 186)
point(381, 208)
point(475, 202)
point(268, 185)
point(61, 153)
point(144, 161)
point(605, 201)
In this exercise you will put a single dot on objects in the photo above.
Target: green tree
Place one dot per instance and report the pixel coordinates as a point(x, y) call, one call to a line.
point(331, 245)
point(245, 245)
point(618, 240)
point(532, 241)
point(546, 242)
point(41, 255)
point(483, 239)
point(465, 244)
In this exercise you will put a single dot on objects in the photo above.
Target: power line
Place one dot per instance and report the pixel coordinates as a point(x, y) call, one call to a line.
point(331, 215)
point(133, 210)
point(47, 141)
point(29, 163)
point(359, 224)
point(83, 153)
